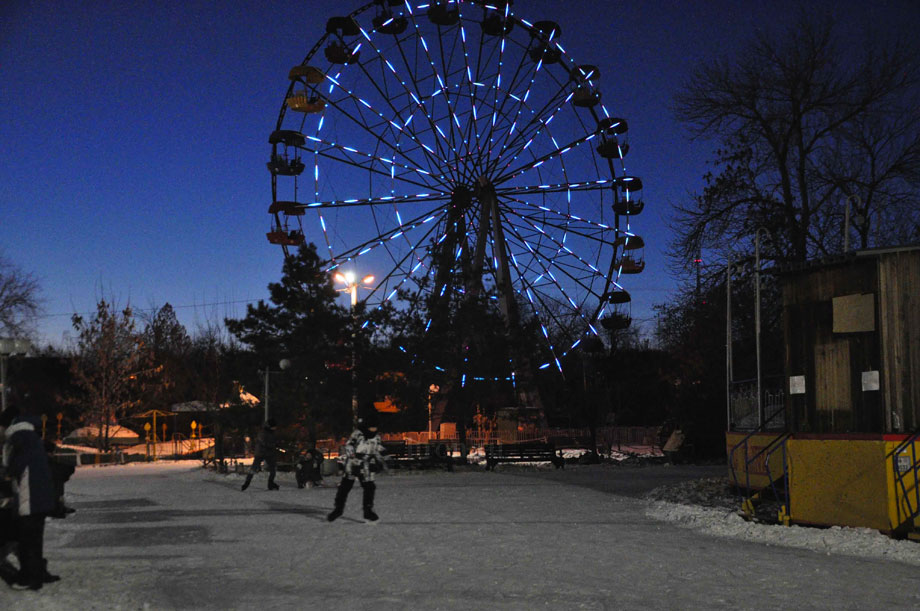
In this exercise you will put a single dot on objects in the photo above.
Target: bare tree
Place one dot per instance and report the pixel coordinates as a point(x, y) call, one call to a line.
point(19, 299)
point(804, 125)
point(108, 365)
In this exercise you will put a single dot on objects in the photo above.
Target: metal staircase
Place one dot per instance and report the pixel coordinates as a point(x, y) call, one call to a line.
point(905, 465)
point(752, 496)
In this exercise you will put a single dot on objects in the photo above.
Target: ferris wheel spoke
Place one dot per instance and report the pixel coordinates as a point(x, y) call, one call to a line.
point(453, 119)
point(441, 88)
point(430, 219)
point(540, 212)
point(567, 228)
point(369, 162)
point(537, 162)
point(521, 100)
point(401, 272)
point(482, 115)
point(472, 125)
point(385, 95)
point(527, 134)
point(560, 258)
point(548, 305)
point(497, 86)
point(472, 81)
point(416, 97)
point(563, 187)
point(386, 200)
point(429, 154)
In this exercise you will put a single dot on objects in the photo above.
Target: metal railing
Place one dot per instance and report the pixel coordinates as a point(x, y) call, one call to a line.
point(606, 435)
point(765, 452)
point(903, 470)
point(744, 409)
point(781, 445)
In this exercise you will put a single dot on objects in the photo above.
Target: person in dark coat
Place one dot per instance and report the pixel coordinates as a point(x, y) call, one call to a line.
point(363, 459)
point(308, 470)
point(27, 465)
point(265, 450)
point(61, 472)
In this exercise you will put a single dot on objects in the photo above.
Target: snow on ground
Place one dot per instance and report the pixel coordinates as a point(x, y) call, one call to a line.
point(707, 506)
point(172, 535)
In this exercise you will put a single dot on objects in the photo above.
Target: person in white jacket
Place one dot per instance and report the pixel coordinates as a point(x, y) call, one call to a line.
point(363, 460)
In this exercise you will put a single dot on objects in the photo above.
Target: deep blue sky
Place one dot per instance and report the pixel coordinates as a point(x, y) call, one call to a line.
point(133, 137)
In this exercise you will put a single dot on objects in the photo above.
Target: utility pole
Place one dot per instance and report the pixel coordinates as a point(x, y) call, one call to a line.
point(351, 287)
point(698, 261)
point(728, 345)
point(757, 233)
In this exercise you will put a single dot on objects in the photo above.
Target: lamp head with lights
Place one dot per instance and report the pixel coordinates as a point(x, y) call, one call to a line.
point(9, 345)
point(350, 279)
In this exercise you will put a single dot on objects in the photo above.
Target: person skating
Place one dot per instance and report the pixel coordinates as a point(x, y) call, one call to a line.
point(363, 459)
point(308, 470)
point(266, 446)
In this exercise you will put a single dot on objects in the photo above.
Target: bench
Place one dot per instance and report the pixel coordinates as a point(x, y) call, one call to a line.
point(404, 454)
point(531, 451)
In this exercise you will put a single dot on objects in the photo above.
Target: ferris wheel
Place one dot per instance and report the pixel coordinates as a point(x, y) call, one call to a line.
point(454, 149)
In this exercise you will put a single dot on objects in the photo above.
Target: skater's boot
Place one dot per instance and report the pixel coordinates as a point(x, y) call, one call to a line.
point(48, 577)
point(369, 489)
point(271, 483)
point(32, 569)
point(299, 475)
point(341, 495)
point(247, 482)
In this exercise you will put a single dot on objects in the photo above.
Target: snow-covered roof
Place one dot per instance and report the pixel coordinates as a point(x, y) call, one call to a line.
point(116, 433)
point(246, 398)
point(193, 406)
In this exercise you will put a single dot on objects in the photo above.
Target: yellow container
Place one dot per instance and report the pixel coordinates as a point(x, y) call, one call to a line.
point(838, 480)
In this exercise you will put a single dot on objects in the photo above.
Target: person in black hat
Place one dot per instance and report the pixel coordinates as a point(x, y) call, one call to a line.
point(266, 446)
point(363, 459)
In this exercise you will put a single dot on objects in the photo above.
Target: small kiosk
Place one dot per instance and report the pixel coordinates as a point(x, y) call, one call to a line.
point(848, 450)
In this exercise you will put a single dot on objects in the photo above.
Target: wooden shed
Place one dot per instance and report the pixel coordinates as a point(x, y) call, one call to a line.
point(852, 334)
point(850, 453)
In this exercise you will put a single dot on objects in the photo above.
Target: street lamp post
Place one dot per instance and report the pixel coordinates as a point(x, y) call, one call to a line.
point(728, 345)
point(351, 287)
point(846, 220)
point(282, 364)
point(8, 347)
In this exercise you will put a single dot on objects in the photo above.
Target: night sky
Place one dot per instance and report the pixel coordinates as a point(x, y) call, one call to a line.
point(133, 139)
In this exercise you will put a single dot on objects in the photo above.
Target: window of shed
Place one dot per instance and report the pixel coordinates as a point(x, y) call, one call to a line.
point(854, 313)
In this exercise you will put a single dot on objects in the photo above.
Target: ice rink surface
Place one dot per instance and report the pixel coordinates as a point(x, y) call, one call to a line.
point(176, 536)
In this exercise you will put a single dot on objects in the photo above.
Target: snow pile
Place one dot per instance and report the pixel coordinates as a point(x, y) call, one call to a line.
point(707, 506)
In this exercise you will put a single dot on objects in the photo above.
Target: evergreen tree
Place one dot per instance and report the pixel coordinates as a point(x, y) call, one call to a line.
point(169, 345)
point(301, 323)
